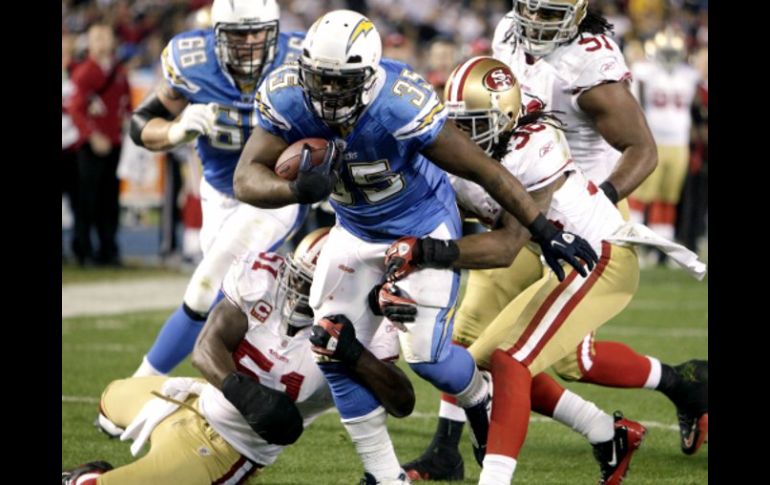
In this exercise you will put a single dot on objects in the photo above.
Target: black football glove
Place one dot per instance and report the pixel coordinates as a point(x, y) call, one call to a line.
point(315, 182)
point(557, 244)
point(409, 253)
point(390, 301)
point(335, 337)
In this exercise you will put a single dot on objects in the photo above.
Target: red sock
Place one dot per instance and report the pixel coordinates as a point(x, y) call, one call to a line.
point(510, 405)
point(668, 213)
point(87, 481)
point(662, 213)
point(546, 393)
point(636, 205)
point(617, 365)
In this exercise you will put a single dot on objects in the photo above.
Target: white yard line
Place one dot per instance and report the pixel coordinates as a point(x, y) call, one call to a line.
point(650, 331)
point(414, 415)
point(115, 297)
point(80, 399)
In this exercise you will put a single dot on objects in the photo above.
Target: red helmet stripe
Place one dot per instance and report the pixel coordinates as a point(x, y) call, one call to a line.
point(465, 75)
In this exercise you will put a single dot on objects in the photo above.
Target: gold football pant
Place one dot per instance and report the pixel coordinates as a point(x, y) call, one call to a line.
point(548, 320)
point(665, 183)
point(489, 291)
point(185, 449)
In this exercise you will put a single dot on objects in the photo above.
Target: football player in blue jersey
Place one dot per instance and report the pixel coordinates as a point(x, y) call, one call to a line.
point(211, 78)
point(383, 173)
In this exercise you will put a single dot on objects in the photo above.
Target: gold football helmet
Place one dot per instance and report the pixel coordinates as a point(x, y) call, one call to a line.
point(483, 97)
point(667, 47)
point(297, 275)
point(540, 26)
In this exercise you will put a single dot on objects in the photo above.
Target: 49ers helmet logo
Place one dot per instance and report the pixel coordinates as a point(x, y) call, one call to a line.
point(499, 79)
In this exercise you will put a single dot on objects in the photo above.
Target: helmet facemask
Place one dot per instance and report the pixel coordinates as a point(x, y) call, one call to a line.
point(540, 26)
point(246, 48)
point(337, 97)
point(670, 58)
point(667, 48)
point(294, 282)
point(483, 126)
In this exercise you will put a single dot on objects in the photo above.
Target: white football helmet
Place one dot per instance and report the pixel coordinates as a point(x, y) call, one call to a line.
point(246, 36)
point(540, 26)
point(296, 276)
point(338, 66)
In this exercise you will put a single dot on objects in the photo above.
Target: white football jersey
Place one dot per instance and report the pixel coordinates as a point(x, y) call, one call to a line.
point(538, 156)
point(273, 358)
point(667, 97)
point(555, 82)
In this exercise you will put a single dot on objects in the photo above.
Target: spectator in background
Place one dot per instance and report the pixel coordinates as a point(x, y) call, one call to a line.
point(441, 59)
point(99, 105)
point(399, 47)
point(692, 213)
point(666, 86)
point(69, 132)
point(479, 47)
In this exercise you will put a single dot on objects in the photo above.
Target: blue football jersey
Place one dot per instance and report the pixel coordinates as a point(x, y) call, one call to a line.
point(387, 189)
point(191, 67)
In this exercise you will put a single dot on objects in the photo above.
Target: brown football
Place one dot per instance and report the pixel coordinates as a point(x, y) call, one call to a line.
point(287, 165)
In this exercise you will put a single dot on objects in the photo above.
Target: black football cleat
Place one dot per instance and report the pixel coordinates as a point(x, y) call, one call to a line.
point(614, 456)
point(691, 401)
point(437, 463)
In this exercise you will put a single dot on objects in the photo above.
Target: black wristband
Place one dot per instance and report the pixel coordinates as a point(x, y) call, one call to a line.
point(610, 191)
point(438, 253)
point(149, 109)
point(542, 229)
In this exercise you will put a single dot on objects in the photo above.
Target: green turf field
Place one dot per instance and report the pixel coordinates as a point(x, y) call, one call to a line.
point(668, 319)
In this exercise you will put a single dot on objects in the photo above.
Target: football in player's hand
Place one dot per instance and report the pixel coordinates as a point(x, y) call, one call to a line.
point(287, 165)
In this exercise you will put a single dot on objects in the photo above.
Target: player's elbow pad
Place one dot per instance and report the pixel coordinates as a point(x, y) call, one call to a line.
point(150, 108)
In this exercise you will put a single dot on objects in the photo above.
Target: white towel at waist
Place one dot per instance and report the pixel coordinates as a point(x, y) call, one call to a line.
point(641, 235)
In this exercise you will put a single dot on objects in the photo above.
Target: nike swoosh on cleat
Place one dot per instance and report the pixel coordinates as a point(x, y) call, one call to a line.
point(614, 460)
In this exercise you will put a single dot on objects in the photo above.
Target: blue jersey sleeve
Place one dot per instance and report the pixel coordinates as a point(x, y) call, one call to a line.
point(269, 100)
point(280, 106)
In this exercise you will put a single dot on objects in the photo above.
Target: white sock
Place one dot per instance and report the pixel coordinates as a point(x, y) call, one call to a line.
point(372, 442)
point(637, 216)
point(497, 470)
point(584, 417)
point(476, 391)
point(654, 378)
point(451, 411)
point(146, 369)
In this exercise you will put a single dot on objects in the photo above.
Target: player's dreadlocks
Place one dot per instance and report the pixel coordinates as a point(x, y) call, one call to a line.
point(595, 23)
point(500, 149)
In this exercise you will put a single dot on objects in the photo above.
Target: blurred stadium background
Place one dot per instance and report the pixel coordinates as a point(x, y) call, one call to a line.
point(160, 211)
point(111, 313)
